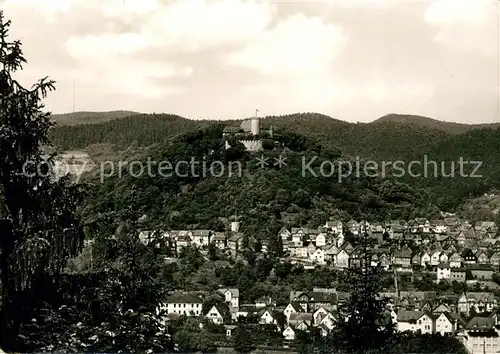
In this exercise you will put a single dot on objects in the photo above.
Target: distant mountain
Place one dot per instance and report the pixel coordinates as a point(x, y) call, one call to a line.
point(448, 127)
point(89, 117)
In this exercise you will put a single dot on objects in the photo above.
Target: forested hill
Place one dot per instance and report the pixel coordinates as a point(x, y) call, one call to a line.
point(381, 140)
point(426, 122)
point(265, 199)
point(89, 117)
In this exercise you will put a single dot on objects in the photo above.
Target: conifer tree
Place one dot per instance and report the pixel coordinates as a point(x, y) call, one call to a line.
point(39, 229)
point(365, 325)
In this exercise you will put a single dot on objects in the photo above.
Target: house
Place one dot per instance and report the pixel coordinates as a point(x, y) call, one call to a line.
point(298, 235)
point(479, 301)
point(319, 315)
point(334, 226)
point(201, 238)
point(328, 321)
point(235, 242)
point(441, 308)
point(214, 315)
point(482, 257)
point(292, 307)
point(264, 302)
point(415, 321)
point(183, 304)
point(229, 330)
point(402, 257)
point(284, 233)
point(301, 321)
point(455, 260)
point(289, 333)
point(321, 240)
point(231, 296)
point(425, 259)
point(318, 256)
point(458, 274)
point(415, 260)
point(443, 258)
point(494, 258)
point(435, 257)
point(443, 271)
point(266, 317)
point(181, 242)
point(312, 300)
point(461, 239)
point(342, 259)
point(481, 336)
point(468, 256)
point(439, 227)
point(219, 239)
point(481, 271)
point(331, 252)
point(445, 324)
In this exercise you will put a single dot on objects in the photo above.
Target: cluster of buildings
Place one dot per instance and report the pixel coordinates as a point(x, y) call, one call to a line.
point(453, 249)
point(472, 316)
point(448, 246)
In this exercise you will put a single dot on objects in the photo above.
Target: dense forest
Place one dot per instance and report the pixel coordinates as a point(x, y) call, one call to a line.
point(390, 138)
point(265, 199)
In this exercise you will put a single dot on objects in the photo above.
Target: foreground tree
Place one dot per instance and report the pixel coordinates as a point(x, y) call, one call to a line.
point(113, 309)
point(39, 229)
point(365, 325)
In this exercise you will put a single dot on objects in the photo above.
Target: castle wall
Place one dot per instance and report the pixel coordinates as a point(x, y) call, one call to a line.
point(252, 145)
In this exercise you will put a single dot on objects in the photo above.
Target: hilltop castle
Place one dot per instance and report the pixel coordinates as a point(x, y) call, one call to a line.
point(249, 133)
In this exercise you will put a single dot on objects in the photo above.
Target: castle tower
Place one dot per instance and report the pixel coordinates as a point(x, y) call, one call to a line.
point(255, 124)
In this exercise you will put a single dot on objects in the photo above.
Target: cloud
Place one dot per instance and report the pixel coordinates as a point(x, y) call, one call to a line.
point(296, 45)
point(466, 25)
point(352, 59)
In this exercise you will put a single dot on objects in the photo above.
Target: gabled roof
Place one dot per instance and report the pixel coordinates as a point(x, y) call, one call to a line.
point(201, 233)
point(183, 298)
point(480, 324)
point(296, 306)
point(407, 316)
point(234, 292)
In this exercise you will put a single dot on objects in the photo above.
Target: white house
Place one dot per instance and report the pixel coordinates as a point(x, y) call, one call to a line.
point(445, 324)
point(266, 317)
point(289, 333)
point(182, 304)
point(443, 258)
point(318, 256)
point(342, 259)
point(285, 234)
point(425, 259)
point(232, 296)
point(215, 316)
point(443, 271)
point(415, 321)
point(292, 307)
point(201, 238)
point(481, 336)
point(435, 257)
point(321, 240)
point(318, 315)
point(455, 260)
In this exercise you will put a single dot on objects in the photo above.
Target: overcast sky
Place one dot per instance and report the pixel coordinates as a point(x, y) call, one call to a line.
point(354, 60)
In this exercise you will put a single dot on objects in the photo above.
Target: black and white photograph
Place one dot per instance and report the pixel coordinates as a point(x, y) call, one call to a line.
point(250, 176)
